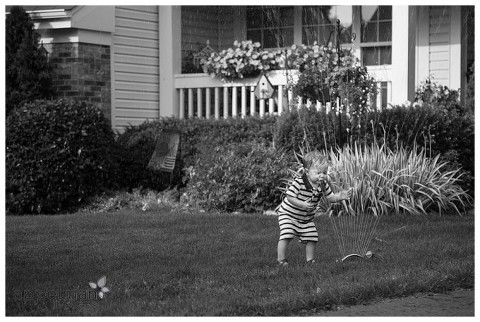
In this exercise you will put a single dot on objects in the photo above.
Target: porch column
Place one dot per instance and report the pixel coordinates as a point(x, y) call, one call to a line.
point(422, 48)
point(411, 51)
point(170, 45)
point(456, 48)
point(400, 40)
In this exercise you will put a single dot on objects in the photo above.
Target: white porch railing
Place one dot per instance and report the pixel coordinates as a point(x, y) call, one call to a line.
point(201, 95)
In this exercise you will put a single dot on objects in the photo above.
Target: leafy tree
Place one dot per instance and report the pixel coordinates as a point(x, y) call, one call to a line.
point(28, 72)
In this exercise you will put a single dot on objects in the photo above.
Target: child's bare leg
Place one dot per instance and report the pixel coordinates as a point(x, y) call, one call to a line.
point(310, 250)
point(282, 248)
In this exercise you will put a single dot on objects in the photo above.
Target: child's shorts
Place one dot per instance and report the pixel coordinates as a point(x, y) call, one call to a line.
point(290, 227)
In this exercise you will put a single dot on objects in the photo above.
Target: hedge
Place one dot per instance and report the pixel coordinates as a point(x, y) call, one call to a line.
point(138, 143)
point(57, 154)
point(441, 131)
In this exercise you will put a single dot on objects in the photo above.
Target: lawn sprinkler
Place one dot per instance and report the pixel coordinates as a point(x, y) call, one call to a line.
point(353, 231)
point(367, 255)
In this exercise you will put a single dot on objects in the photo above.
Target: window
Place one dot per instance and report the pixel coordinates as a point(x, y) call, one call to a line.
point(383, 91)
point(271, 26)
point(376, 35)
point(318, 22)
point(377, 55)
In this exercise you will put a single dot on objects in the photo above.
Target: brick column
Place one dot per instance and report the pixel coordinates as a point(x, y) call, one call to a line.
point(82, 72)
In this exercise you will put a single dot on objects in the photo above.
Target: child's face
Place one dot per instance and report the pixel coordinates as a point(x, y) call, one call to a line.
point(317, 172)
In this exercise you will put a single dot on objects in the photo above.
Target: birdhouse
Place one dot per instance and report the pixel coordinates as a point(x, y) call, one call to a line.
point(264, 88)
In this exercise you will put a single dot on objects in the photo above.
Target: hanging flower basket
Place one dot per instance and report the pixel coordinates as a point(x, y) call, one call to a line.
point(245, 60)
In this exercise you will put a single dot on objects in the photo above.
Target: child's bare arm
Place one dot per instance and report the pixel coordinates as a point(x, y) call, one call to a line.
point(342, 195)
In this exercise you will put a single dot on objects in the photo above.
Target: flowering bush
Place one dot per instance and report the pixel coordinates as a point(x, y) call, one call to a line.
point(317, 57)
point(431, 92)
point(326, 74)
point(247, 59)
point(356, 89)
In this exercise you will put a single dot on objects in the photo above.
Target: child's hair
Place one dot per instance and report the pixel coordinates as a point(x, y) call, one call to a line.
point(313, 158)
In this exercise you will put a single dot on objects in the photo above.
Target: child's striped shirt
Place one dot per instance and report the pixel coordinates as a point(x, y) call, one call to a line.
point(298, 222)
point(301, 189)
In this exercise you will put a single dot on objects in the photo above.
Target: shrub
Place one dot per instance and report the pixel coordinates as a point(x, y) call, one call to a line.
point(138, 143)
point(57, 153)
point(136, 146)
point(441, 96)
point(439, 131)
point(237, 177)
point(304, 125)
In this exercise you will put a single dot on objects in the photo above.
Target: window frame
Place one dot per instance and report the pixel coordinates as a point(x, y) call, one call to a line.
point(262, 28)
point(331, 26)
point(372, 44)
point(356, 28)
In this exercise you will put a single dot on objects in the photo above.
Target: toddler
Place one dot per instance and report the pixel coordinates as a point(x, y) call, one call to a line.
point(296, 212)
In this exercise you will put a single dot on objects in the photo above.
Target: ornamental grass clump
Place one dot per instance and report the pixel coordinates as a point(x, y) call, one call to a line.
point(398, 181)
point(394, 182)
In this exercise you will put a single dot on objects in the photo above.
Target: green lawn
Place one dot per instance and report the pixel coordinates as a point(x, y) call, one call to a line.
point(201, 264)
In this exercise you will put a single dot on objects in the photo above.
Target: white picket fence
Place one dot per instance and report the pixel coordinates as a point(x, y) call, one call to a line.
point(203, 96)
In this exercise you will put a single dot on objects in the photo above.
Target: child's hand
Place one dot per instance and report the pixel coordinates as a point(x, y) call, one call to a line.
point(345, 194)
point(310, 206)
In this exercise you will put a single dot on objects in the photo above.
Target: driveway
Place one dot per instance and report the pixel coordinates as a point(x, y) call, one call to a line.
point(456, 303)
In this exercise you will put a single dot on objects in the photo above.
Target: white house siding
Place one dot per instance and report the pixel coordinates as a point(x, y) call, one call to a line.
point(440, 44)
point(135, 65)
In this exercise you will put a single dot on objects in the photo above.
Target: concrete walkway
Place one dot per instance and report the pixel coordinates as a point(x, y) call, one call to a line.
point(456, 303)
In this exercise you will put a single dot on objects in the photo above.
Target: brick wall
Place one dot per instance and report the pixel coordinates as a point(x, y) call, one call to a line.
point(82, 72)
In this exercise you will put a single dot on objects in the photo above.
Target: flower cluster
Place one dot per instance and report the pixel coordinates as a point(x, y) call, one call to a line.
point(324, 72)
point(355, 86)
point(246, 59)
point(430, 91)
point(317, 57)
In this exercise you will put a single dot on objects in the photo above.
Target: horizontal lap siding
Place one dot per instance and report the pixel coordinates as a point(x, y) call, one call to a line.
point(440, 44)
point(136, 65)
